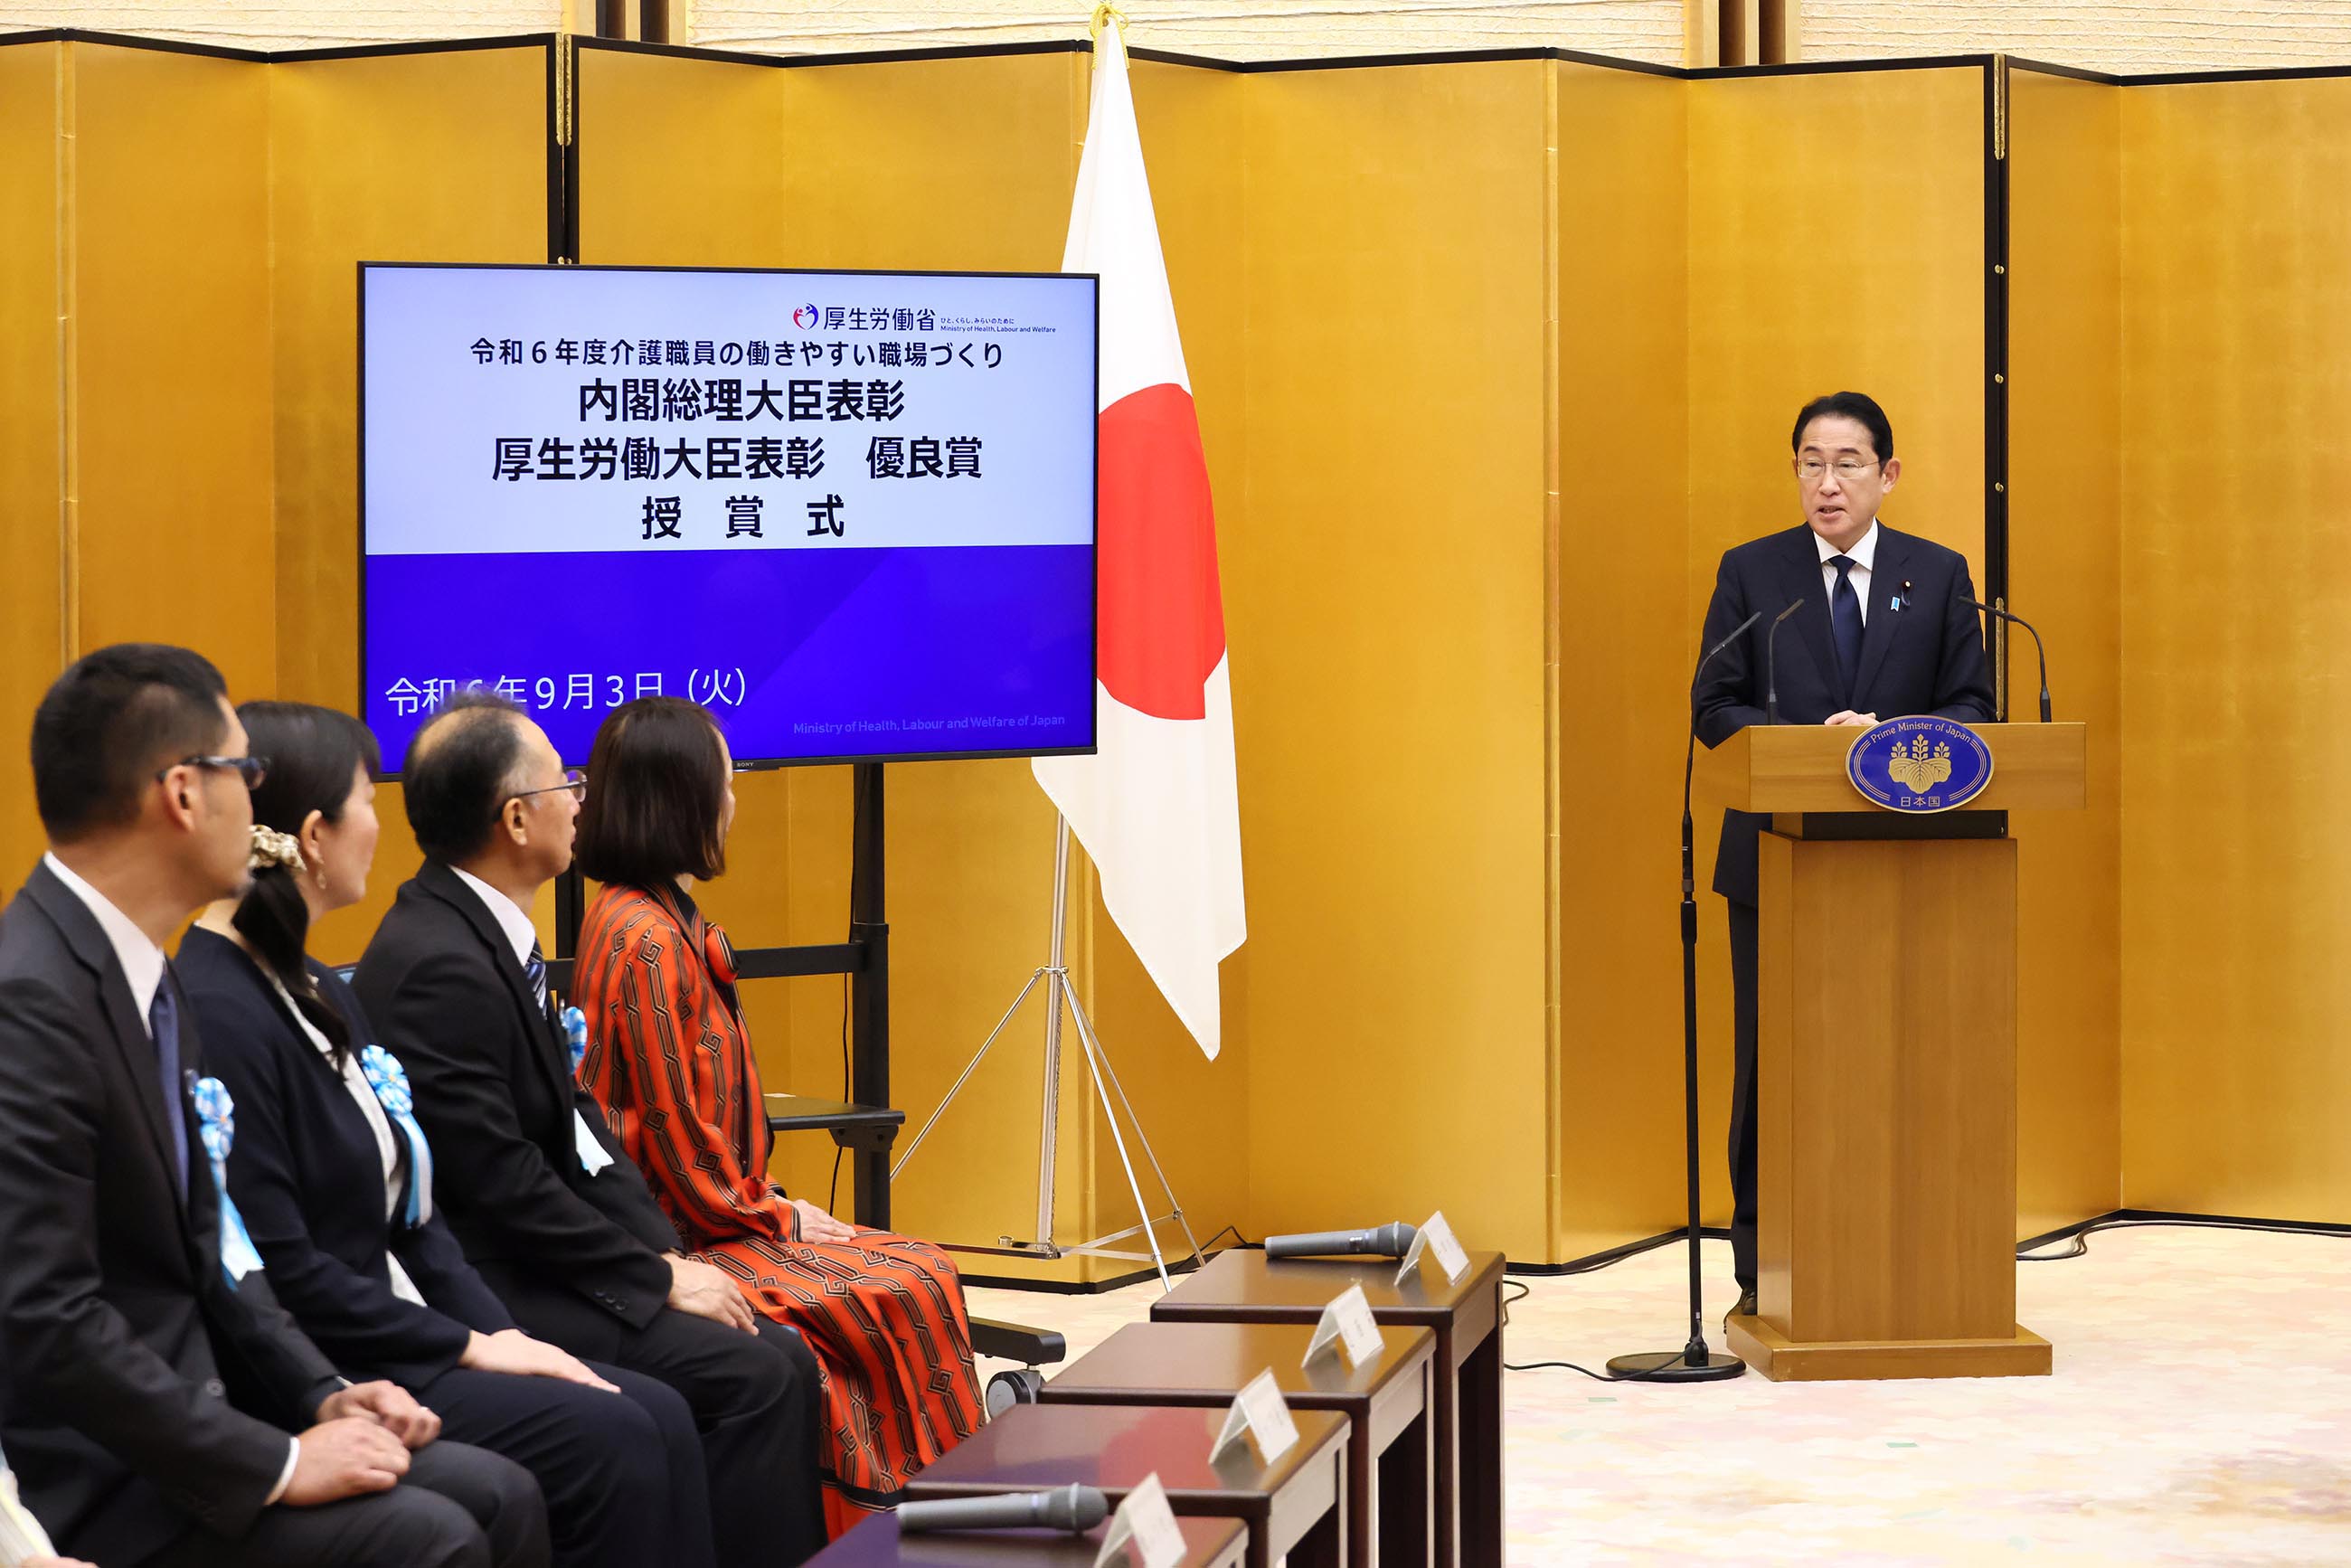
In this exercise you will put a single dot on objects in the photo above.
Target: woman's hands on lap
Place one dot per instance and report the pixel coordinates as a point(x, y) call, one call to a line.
point(811, 1223)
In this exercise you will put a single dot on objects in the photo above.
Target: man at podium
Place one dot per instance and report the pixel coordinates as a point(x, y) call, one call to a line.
point(1883, 630)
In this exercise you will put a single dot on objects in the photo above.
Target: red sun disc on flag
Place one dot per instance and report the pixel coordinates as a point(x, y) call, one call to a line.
point(1163, 617)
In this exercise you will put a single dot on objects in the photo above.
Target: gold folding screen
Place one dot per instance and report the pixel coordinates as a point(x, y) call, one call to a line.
point(1493, 359)
point(2064, 545)
point(1620, 488)
point(961, 164)
point(179, 402)
point(2236, 590)
point(35, 621)
point(1387, 594)
point(443, 156)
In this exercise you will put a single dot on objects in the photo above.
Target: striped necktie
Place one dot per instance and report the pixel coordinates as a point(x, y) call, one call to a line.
point(534, 969)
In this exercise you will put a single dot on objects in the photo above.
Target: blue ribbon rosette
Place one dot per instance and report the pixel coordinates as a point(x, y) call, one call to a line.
point(216, 1124)
point(575, 1035)
point(593, 1157)
point(389, 1079)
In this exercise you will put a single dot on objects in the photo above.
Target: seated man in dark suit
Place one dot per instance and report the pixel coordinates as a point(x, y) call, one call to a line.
point(544, 1202)
point(149, 1402)
point(1884, 631)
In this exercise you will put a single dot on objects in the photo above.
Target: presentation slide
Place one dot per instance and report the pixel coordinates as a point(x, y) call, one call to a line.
point(852, 512)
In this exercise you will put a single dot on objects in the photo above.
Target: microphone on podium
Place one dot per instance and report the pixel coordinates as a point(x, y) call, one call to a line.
point(1391, 1240)
point(1075, 1509)
point(2021, 621)
point(1771, 662)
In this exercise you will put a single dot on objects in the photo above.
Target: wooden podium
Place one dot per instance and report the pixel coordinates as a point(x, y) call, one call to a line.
point(1886, 1060)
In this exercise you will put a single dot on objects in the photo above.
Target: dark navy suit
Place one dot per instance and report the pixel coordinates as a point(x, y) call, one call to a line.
point(1921, 652)
point(623, 1475)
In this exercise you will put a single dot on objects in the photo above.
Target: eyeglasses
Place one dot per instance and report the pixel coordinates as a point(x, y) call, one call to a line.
point(253, 768)
point(1811, 469)
point(574, 780)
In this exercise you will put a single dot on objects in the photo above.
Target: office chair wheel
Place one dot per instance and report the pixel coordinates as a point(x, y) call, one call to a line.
point(1022, 1385)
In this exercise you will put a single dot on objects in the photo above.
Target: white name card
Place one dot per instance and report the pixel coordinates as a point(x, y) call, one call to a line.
point(1262, 1412)
point(1436, 1237)
point(593, 1157)
point(1144, 1531)
point(1348, 1323)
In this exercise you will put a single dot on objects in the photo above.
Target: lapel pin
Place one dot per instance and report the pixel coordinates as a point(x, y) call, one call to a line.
point(1902, 597)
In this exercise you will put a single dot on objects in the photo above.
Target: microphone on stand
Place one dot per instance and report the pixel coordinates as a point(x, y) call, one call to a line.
point(2021, 621)
point(1076, 1509)
point(1771, 661)
point(1391, 1240)
point(1693, 1362)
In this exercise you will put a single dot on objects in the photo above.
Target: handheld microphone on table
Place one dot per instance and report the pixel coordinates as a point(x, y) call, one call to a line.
point(1076, 1509)
point(1771, 662)
point(2021, 621)
point(1391, 1240)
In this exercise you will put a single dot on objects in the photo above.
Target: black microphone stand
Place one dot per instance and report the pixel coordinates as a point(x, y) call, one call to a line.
point(1693, 1363)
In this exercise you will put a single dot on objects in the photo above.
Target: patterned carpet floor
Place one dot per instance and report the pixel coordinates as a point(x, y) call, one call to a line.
point(2200, 1413)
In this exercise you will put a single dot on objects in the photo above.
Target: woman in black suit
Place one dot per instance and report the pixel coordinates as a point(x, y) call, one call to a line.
point(334, 1181)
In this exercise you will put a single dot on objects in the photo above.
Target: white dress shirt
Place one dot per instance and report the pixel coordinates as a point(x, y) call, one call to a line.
point(142, 966)
point(142, 960)
point(512, 919)
point(1864, 555)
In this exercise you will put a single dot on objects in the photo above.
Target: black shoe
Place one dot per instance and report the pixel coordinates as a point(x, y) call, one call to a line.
point(1746, 1308)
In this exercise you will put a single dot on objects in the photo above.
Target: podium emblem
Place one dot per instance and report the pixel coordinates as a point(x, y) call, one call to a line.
point(1920, 765)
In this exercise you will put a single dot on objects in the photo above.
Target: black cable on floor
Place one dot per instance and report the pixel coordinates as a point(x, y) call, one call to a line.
point(2079, 1245)
point(1525, 1290)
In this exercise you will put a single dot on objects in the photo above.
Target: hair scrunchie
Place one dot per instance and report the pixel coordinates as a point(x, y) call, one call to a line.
point(272, 848)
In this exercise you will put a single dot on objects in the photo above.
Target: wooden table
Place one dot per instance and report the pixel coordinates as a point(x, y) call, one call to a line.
point(1296, 1506)
point(1390, 1439)
point(1244, 1286)
point(877, 1543)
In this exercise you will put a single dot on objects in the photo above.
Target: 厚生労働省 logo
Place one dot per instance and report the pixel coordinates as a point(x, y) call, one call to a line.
point(1920, 764)
point(807, 316)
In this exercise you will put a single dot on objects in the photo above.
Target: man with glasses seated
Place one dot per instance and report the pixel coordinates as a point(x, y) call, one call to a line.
point(1884, 631)
point(544, 1202)
point(158, 1408)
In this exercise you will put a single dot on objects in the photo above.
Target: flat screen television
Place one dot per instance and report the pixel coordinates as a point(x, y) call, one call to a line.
point(853, 513)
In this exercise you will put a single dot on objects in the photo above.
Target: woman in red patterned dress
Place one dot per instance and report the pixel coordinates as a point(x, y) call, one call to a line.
point(669, 1059)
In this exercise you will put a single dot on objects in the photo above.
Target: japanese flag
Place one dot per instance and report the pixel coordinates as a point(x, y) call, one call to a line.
point(1157, 807)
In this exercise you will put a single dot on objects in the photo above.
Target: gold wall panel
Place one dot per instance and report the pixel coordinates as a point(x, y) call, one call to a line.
point(2064, 565)
point(1386, 597)
point(2236, 589)
point(171, 370)
point(679, 164)
point(426, 157)
point(1836, 242)
point(35, 100)
point(1625, 648)
point(959, 164)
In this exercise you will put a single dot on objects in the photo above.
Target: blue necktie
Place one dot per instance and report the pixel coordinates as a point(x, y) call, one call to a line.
point(163, 1021)
point(1845, 621)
